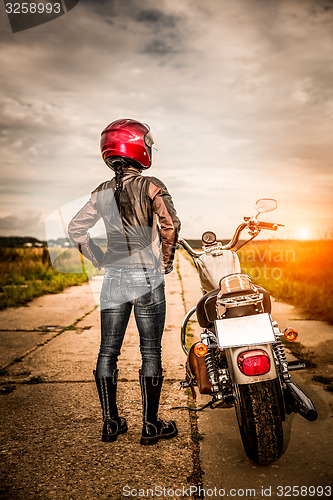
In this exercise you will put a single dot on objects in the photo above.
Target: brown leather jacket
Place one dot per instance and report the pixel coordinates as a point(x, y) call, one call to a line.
point(144, 233)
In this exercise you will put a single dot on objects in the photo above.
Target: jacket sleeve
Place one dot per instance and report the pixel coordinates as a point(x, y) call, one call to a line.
point(169, 223)
point(79, 235)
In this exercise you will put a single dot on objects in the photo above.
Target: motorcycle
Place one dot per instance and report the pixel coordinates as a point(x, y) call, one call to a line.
point(240, 360)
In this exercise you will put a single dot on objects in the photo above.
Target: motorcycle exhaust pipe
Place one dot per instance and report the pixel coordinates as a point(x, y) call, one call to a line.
point(299, 402)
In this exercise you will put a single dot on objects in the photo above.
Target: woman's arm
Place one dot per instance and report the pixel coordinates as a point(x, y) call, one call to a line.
point(79, 235)
point(169, 223)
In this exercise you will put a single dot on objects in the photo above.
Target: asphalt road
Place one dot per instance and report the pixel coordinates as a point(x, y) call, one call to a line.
point(51, 418)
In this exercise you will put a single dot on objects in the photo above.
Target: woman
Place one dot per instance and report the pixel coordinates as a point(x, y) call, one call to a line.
point(142, 231)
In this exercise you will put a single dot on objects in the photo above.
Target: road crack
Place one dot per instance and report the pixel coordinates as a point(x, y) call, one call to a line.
point(196, 477)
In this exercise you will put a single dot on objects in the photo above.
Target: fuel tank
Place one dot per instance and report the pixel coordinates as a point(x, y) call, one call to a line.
point(212, 266)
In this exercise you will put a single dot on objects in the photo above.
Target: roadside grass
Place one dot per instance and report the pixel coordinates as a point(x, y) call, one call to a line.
point(197, 436)
point(26, 273)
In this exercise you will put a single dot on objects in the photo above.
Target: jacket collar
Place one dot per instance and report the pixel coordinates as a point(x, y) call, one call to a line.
point(132, 171)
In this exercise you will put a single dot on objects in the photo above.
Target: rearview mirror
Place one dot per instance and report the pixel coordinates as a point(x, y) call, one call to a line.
point(266, 205)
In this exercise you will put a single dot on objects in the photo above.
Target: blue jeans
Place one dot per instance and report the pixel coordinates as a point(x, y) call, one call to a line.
point(121, 290)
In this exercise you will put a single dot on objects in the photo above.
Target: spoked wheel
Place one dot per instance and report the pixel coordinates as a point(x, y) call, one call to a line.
point(259, 418)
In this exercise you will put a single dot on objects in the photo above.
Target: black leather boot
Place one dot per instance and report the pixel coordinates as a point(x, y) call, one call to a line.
point(154, 428)
point(107, 391)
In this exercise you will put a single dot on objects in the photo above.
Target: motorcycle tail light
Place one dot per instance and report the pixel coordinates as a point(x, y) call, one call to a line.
point(254, 362)
point(290, 334)
point(200, 350)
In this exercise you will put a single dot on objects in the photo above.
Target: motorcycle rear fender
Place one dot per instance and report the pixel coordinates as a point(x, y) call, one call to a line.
point(237, 376)
point(196, 371)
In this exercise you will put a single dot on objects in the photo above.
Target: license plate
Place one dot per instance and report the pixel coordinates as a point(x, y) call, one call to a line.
point(244, 331)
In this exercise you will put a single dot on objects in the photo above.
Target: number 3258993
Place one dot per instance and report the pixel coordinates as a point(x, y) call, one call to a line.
point(33, 8)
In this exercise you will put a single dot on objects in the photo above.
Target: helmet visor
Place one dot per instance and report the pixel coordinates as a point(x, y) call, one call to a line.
point(150, 142)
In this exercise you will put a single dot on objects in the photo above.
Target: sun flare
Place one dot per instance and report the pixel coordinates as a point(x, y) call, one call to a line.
point(304, 233)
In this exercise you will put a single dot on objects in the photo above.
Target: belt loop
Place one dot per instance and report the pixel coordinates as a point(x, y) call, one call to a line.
point(147, 277)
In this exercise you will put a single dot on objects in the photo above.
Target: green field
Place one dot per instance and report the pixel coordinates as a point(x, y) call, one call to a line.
point(297, 272)
point(294, 271)
point(26, 273)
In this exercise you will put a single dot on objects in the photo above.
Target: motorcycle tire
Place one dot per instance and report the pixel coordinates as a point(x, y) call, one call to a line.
point(260, 418)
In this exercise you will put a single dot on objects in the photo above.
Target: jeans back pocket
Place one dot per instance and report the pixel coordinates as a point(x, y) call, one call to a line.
point(141, 293)
point(111, 294)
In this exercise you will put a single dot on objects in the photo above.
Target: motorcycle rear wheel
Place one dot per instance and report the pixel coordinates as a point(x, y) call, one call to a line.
point(259, 417)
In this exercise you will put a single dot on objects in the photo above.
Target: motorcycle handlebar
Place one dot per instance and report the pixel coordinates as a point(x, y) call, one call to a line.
point(233, 242)
point(269, 225)
point(188, 248)
point(228, 246)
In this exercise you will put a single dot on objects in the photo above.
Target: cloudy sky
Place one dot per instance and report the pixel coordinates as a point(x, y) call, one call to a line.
point(237, 93)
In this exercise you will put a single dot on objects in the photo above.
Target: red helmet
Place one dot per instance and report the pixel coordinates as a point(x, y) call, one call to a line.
point(128, 139)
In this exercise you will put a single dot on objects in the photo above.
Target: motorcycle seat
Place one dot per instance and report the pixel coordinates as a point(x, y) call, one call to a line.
point(206, 307)
point(206, 310)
